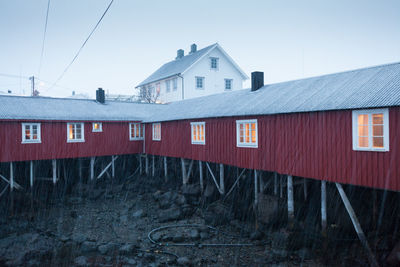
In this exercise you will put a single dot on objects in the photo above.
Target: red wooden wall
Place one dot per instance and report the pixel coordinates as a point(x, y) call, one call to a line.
point(113, 140)
point(312, 145)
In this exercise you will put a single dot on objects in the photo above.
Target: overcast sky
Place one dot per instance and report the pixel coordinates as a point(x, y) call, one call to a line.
point(285, 39)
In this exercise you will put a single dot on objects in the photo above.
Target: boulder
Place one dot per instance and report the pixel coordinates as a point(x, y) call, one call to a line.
point(394, 257)
point(127, 249)
point(184, 261)
point(170, 214)
point(88, 246)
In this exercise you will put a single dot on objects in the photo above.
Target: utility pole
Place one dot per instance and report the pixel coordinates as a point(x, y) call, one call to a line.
point(32, 79)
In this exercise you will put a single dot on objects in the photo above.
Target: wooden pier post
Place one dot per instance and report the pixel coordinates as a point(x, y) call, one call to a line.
point(281, 186)
point(140, 164)
point(54, 163)
point(184, 178)
point(275, 183)
point(323, 207)
point(305, 188)
point(221, 179)
point(112, 166)
point(31, 173)
point(290, 200)
point(165, 168)
point(146, 165)
point(201, 175)
point(153, 166)
point(255, 189)
point(91, 168)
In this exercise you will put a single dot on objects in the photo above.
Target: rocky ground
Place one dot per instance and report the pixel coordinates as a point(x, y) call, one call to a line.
point(108, 224)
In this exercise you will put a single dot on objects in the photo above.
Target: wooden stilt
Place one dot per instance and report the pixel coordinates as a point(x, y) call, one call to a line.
point(221, 179)
point(11, 177)
point(31, 173)
point(290, 200)
point(189, 172)
point(153, 166)
point(184, 178)
point(91, 168)
point(112, 166)
point(255, 189)
point(214, 179)
point(54, 163)
point(261, 183)
point(323, 207)
point(305, 188)
point(275, 183)
point(201, 176)
point(165, 168)
point(140, 164)
point(356, 224)
point(107, 167)
point(146, 164)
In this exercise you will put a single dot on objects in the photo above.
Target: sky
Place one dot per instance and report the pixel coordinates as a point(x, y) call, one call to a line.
point(286, 40)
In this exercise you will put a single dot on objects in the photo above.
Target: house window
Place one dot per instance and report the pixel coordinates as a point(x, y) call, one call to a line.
point(199, 82)
point(214, 63)
point(76, 132)
point(31, 133)
point(168, 85)
point(174, 84)
point(136, 131)
point(198, 132)
point(246, 133)
point(371, 130)
point(228, 84)
point(156, 131)
point(97, 127)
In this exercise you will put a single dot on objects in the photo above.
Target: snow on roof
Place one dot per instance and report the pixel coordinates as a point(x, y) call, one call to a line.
point(363, 88)
point(47, 108)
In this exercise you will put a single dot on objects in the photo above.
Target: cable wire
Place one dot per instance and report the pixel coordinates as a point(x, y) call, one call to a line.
point(84, 43)
point(44, 37)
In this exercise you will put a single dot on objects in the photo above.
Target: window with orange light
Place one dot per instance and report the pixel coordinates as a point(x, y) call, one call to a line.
point(371, 130)
point(31, 133)
point(156, 131)
point(246, 133)
point(97, 127)
point(198, 130)
point(75, 132)
point(136, 131)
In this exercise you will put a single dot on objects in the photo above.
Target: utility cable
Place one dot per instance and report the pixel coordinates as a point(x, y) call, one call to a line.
point(44, 37)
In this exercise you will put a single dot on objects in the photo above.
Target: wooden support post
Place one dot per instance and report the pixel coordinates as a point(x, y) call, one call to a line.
point(281, 185)
point(356, 225)
point(91, 168)
point(31, 173)
point(255, 189)
point(221, 179)
point(201, 176)
point(165, 168)
point(140, 164)
point(112, 167)
point(54, 163)
point(146, 165)
point(184, 178)
point(305, 188)
point(290, 200)
point(11, 177)
point(153, 166)
point(323, 207)
point(275, 183)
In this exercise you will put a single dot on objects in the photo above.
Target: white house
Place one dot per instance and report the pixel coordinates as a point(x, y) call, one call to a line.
point(201, 72)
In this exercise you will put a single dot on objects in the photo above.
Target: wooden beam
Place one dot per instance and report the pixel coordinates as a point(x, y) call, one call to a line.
point(31, 173)
point(275, 183)
point(146, 167)
point(221, 179)
point(107, 167)
point(54, 163)
point(290, 200)
point(255, 189)
point(201, 176)
point(214, 179)
point(165, 168)
point(323, 207)
point(281, 186)
point(356, 224)
point(11, 176)
point(153, 166)
point(91, 168)
point(236, 182)
point(305, 189)
point(184, 178)
point(189, 171)
point(112, 166)
point(140, 164)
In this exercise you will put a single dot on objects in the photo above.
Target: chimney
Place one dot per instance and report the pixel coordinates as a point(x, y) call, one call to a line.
point(193, 49)
point(179, 54)
point(257, 80)
point(100, 96)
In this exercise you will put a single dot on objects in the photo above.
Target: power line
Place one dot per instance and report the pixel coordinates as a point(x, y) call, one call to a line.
point(13, 76)
point(84, 43)
point(44, 37)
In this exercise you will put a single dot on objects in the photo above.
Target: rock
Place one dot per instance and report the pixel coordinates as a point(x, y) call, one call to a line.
point(204, 235)
point(131, 261)
point(96, 194)
point(124, 219)
point(257, 235)
point(157, 195)
point(184, 261)
point(304, 254)
point(81, 261)
point(180, 200)
point(78, 238)
point(127, 249)
point(171, 214)
point(394, 257)
point(138, 214)
point(107, 248)
point(88, 246)
point(209, 191)
point(178, 237)
point(279, 239)
point(75, 200)
point(73, 214)
point(194, 234)
point(276, 255)
point(156, 236)
point(191, 189)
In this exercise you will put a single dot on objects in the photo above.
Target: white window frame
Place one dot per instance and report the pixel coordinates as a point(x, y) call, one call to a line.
point(231, 81)
point(133, 126)
point(82, 139)
point(202, 82)
point(246, 144)
point(369, 112)
point(175, 84)
point(217, 63)
point(168, 86)
point(97, 130)
point(156, 135)
point(199, 124)
point(31, 141)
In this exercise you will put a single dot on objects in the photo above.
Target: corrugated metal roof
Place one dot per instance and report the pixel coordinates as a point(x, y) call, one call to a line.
point(363, 88)
point(177, 66)
point(46, 108)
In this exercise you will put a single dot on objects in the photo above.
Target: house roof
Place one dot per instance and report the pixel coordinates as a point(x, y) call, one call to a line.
point(47, 108)
point(371, 87)
point(179, 66)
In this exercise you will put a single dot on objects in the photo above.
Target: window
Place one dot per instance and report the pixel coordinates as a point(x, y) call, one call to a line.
point(156, 131)
point(31, 133)
point(214, 63)
point(168, 85)
point(76, 132)
point(175, 84)
point(246, 133)
point(198, 132)
point(199, 82)
point(97, 127)
point(136, 131)
point(371, 130)
point(158, 88)
point(228, 84)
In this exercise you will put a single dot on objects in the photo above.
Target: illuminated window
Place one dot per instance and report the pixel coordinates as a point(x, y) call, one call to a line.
point(168, 85)
point(199, 82)
point(31, 133)
point(156, 131)
point(136, 131)
point(75, 132)
point(228, 84)
point(371, 130)
point(214, 63)
point(97, 127)
point(246, 133)
point(198, 132)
